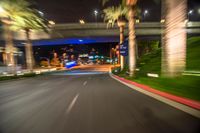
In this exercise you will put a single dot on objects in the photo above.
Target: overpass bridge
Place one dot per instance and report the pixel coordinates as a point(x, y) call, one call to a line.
point(75, 33)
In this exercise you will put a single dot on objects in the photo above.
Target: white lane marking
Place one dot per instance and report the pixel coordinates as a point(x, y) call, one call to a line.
point(177, 105)
point(85, 83)
point(72, 103)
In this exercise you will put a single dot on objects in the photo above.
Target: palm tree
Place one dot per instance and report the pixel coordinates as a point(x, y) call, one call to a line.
point(12, 8)
point(132, 44)
point(9, 8)
point(28, 21)
point(132, 48)
point(19, 16)
point(174, 37)
point(119, 14)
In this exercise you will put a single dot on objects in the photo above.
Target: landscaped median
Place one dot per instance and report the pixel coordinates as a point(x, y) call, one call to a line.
point(184, 89)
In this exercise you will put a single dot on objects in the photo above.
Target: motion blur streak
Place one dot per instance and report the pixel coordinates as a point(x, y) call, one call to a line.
point(174, 43)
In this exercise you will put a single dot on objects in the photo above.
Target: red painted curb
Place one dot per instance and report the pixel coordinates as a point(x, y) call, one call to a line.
point(185, 101)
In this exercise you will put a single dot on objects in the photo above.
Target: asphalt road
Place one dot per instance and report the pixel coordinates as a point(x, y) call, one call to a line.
point(95, 103)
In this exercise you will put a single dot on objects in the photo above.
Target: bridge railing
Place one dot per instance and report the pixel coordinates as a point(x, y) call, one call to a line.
point(104, 25)
point(99, 29)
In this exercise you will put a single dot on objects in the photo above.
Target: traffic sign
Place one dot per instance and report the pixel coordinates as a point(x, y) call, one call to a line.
point(124, 49)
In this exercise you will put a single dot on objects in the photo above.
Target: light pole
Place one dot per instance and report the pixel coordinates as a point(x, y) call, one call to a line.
point(146, 12)
point(190, 13)
point(96, 15)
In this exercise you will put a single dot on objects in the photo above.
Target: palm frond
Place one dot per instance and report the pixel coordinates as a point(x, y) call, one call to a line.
point(112, 14)
point(22, 16)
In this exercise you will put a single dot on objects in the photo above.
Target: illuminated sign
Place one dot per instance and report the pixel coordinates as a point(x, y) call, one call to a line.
point(83, 55)
point(70, 64)
point(124, 49)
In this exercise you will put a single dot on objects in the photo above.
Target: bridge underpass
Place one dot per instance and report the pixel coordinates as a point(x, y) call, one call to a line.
point(89, 33)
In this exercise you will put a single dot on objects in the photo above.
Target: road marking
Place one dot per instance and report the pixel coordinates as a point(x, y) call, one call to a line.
point(72, 103)
point(177, 105)
point(85, 83)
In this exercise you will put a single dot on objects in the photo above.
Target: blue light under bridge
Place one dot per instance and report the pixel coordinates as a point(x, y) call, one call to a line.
point(76, 41)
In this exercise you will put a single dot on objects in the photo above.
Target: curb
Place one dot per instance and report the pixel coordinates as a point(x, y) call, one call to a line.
point(190, 106)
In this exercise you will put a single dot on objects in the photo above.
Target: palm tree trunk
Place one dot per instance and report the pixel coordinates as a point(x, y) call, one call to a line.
point(29, 52)
point(9, 47)
point(121, 41)
point(110, 54)
point(132, 48)
point(174, 37)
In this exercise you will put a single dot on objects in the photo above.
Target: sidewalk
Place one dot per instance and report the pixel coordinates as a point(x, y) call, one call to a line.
point(4, 71)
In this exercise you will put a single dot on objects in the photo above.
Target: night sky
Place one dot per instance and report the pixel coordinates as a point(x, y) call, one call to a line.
point(66, 11)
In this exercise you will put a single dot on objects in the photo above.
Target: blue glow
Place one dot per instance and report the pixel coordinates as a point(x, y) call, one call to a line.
point(91, 57)
point(70, 64)
point(76, 41)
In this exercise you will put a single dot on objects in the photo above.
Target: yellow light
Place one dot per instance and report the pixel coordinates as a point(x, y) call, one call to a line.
point(110, 21)
point(52, 22)
point(162, 20)
point(137, 21)
point(81, 21)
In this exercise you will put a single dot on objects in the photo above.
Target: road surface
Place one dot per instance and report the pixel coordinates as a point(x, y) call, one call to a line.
point(87, 103)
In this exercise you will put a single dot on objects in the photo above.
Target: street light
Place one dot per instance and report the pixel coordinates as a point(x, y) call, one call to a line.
point(41, 13)
point(190, 13)
point(81, 21)
point(137, 21)
point(52, 22)
point(146, 12)
point(96, 14)
point(162, 21)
